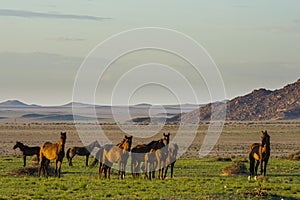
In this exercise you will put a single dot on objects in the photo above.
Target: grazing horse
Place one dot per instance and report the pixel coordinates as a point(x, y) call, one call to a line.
point(115, 154)
point(171, 158)
point(27, 151)
point(145, 151)
point(81, 151)
point(55, 152)
point(260, 153)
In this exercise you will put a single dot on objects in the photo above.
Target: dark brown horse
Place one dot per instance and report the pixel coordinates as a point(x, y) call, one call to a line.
point(260, 153)
point(115, 154)
point(145, 151)
point(81, 151)
point(27, 151)
point(55, 152)
point(171, 158)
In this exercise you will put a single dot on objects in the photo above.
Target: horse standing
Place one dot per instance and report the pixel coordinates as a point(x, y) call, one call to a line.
point(115, 154)
point(171, 158)
point(143, 152)
point(260, 153)
point(156, 158)
point(27, 151)
point(55, 152)
point(81, 151)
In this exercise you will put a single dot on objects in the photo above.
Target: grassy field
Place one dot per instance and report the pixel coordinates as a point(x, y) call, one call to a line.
point(194, 179)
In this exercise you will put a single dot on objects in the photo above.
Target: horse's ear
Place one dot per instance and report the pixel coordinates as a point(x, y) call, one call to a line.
point(164, 134)
point(168, 134)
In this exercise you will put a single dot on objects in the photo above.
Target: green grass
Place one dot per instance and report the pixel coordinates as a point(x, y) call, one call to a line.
point(194, 178)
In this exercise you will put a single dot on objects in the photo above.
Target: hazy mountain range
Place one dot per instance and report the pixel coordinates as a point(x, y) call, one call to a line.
point(260, 104)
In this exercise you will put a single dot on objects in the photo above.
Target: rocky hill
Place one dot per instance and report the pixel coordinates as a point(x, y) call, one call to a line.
point(260, 104)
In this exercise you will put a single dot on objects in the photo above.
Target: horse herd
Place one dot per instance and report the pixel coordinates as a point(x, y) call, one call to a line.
point(158, 154)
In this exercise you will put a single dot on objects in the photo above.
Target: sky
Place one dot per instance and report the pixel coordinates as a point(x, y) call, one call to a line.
point(254, 44)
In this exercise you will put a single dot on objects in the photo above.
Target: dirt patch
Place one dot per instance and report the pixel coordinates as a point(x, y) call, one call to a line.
point(31, 170)
point(294, 156)
point(223, 159)
point(235, 168)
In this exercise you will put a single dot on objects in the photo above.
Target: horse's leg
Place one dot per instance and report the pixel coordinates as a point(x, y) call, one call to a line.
point(59, 167)
point(265, 167)
point(100, 170)
point(172, 169)
point(159, 168)
point(108, 171)
point(70, 160)
point(40, 167)
point(166, 171)
point(46, 167)
point(256, 167)
point(146, 170)
point(261, 166)
point(153, 170)
point(132, 168)
point(124, 168)
point(119, 169)
point(55, 167)
point(24, 158)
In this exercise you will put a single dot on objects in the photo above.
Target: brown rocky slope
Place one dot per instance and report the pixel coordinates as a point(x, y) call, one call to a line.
point(260, 104)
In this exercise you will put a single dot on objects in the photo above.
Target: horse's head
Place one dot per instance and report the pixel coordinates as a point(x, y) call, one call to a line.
point(18, 144)
point(63, 136)
point(96, 144)
point(166, 138)
point(127, 141)
point(265, 138)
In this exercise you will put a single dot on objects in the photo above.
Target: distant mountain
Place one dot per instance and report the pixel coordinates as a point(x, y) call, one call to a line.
point(77, 104)
point(15, 104)
point(260, 104)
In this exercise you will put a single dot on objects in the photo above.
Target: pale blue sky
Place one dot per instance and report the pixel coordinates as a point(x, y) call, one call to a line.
point(254, 43)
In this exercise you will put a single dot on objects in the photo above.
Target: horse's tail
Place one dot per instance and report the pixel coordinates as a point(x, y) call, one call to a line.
point(68, 153)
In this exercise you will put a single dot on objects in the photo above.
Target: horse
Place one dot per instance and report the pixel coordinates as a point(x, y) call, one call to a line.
point(156, 157)
point(139, 152)
point(260, 153)
point(27, 151)
point(55, 152)
point(115, 154)
point(171, 158)
point(81, 151)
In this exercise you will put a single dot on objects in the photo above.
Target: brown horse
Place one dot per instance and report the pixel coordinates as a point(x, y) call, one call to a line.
point(115, 154)
point(27, 151)
point(156, 158)
point(171, 158)
point(145, 151)
point(81, 151)
point(55, 152)
point(260, 153)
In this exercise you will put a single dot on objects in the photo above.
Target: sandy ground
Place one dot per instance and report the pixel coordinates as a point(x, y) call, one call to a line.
point(235, 139)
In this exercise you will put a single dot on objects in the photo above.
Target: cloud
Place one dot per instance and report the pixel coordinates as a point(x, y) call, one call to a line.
point(240, 6)
point(65, 39)
point(30, 14)
point(296, 20)
point(277, 29)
